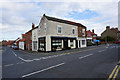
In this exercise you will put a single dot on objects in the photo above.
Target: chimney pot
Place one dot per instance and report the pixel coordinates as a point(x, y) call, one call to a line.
point(93, 30)
point(33, 25)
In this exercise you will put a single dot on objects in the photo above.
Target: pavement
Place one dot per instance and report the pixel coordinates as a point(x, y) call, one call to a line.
point(91, 62)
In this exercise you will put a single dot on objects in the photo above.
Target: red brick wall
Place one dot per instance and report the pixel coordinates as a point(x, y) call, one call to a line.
point(28, 40)
point(80, 31)
point(4, 43)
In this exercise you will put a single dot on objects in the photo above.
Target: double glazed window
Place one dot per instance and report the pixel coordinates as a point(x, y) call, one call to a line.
point(59, 29)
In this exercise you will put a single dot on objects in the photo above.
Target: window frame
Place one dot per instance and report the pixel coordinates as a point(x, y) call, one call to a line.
point(83, 30)
point(45, 27)
point(58, 29)
point(74, 31)
point(82, 42)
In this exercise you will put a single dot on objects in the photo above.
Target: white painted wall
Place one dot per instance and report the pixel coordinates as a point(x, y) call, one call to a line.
point(48, 43)
point(21, 45)
point(34, 38)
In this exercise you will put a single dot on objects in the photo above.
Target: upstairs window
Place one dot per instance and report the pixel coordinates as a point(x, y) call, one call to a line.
point(73, 31)
point(39, 29)
point(59, 29)
point(45, 27)
point(83, 32)
point(34, 36)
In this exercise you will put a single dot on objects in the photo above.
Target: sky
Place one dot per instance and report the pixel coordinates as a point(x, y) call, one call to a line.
point(17, 16)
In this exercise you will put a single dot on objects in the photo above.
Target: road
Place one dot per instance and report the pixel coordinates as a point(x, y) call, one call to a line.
point(92, 62)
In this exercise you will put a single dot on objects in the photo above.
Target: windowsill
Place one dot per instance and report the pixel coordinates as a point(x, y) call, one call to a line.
point(59, 33)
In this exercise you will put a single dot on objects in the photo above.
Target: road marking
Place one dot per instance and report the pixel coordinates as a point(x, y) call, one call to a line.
point(24, 59)
point(101, 51)
point(42, 70)
point(0, 66)
point(85, 56)
point(116, 73)
point(19, 62)
point(112, 72)
point(14, 53)
point(8, 65)
point(36, 59)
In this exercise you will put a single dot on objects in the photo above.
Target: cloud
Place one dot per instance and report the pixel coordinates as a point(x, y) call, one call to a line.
point(17, 16)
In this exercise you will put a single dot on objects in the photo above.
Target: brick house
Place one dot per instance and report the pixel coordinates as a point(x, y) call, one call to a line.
point(118, 36)
point(112, 32)
point(28, 39)
point(91, 36)
point(81, 36)
point(11, 43)
point(4, 43)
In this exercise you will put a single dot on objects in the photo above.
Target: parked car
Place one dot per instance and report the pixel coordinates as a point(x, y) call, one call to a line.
point(117, 42)
point(15, 48)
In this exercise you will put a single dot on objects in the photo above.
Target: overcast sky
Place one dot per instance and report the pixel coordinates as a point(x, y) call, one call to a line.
point(17, 16)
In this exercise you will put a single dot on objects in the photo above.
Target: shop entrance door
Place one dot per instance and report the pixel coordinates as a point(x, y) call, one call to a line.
point(65, 43)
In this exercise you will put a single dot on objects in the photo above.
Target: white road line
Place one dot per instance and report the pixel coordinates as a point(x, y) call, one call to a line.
point(8, 65)
point(25, 60)
point(85, 56)
point(19, 62)
point(101, 51)
point(14, 53)
point(42, 70)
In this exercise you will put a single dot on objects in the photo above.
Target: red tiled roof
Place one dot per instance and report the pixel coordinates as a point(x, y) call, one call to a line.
point(90, 33)
point(22, 40)
point(23, 35)
point(10, 41)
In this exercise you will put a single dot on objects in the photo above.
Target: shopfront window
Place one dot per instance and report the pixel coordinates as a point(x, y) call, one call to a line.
point(42, 44)
point(56, 44)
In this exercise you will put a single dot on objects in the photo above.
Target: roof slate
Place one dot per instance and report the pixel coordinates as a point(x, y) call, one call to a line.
point(63, 21)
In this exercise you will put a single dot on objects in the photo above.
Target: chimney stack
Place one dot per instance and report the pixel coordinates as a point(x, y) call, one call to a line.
point(107, 27)
point(93, 30)
point(33, 26)
point(116, 28)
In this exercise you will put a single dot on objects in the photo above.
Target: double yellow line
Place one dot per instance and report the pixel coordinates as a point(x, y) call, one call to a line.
point(114, 73)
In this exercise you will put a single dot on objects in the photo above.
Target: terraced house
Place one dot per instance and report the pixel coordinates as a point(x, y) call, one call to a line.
point(58, 34)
